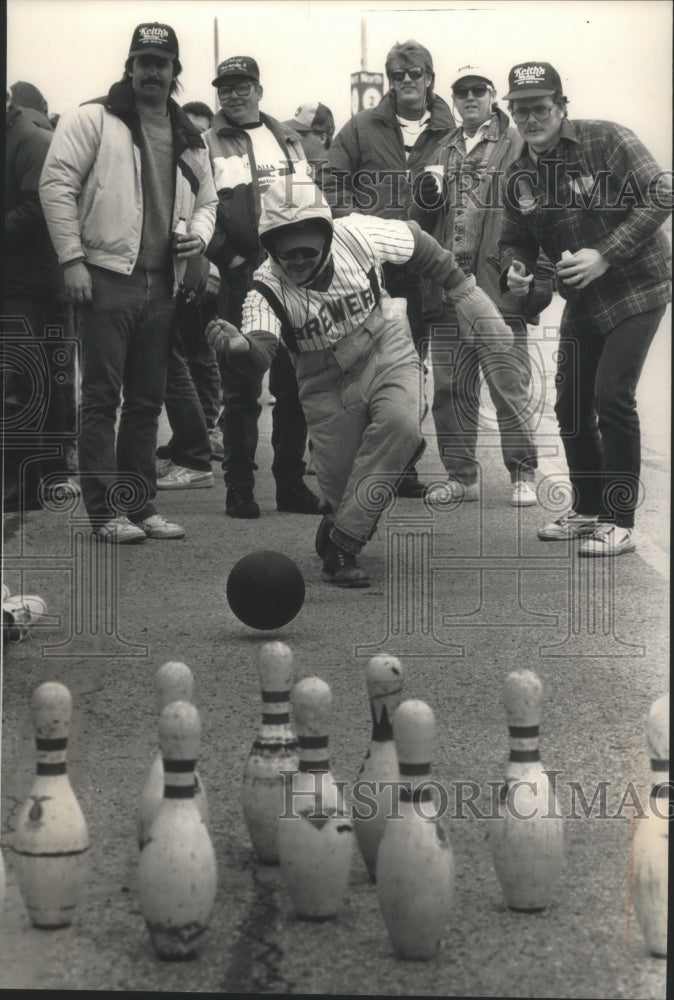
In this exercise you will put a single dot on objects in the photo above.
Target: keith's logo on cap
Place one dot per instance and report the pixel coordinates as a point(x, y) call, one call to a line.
point(528, 74)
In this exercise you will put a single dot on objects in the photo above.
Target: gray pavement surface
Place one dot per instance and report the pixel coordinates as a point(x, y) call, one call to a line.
point(462, 596)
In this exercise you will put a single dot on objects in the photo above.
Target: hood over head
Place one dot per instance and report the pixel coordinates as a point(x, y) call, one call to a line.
point(294, 200)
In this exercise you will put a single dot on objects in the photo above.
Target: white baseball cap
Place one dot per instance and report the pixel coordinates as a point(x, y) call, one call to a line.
point(470, 69)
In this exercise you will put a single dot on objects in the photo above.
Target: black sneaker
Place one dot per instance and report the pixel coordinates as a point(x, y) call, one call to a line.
point(323, 535)
point(410, 487)
point(297, 498)
point(240, 501)
point(342, 568)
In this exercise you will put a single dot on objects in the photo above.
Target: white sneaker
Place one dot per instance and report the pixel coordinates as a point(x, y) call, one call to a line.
point(453, 491)
point(180, 478)
point(120, 531)
point(524, 494)
point(607, 540)
point(570, 525)
point(24, 610)
point(157, 526)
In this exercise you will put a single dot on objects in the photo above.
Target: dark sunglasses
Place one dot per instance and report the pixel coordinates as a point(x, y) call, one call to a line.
point(479, 90)
point(414, 73)
point(304, 253)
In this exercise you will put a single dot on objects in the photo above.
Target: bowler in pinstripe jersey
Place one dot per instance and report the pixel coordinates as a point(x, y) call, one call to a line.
point(360, 381)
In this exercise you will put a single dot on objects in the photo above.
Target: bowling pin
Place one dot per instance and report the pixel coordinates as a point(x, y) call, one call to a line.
point(415, 864)
point(315, 837)
point(173, 682)
point(651, 840)
point(274, 750)
point(51, 840)
point(526, 839)
point(177, 874)
point(374, 798)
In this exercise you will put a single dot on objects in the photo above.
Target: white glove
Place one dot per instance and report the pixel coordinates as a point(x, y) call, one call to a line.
point(479, 317)
point(224, 337)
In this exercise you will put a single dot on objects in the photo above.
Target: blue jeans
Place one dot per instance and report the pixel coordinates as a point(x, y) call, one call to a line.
point(39, 389)
point(190, 444)
point(458, 369)
point(126, 336)
point(597, 378)
point(241, 409)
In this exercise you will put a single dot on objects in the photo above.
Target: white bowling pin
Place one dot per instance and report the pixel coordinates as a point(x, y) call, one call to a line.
point(373, 793)
point(651, 840)
point(274, 750)
point(177, 874)
point(526, 840)
point(173, 682)
point(415, 864)
point(315, 837)
point(51, 839)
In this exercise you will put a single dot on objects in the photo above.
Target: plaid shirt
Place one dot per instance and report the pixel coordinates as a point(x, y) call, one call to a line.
point(598, 188)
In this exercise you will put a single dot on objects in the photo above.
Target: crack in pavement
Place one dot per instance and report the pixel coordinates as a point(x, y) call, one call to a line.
point(255, 966)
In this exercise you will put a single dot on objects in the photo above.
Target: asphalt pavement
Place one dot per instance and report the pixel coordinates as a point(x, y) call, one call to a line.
point(462, 595)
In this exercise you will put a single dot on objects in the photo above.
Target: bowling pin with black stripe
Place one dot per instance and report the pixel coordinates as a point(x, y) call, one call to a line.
point(177, 873)
point(373, 791)
point(415, 864)
point(274, 751)
point(651, 840)
point(173, 682)
point(51, 840)
point(315, 837)
point(526, 839)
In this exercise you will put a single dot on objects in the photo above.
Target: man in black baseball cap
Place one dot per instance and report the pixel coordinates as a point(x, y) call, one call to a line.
point(249, 150)
point(128, 196)
point(585, 192)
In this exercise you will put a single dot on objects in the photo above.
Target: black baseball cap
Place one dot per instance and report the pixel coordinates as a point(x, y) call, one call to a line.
point(155, 38)
point(533, 79)
point(242, 66)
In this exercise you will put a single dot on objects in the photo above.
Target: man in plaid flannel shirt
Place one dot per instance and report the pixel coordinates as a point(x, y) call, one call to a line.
point(590, 195)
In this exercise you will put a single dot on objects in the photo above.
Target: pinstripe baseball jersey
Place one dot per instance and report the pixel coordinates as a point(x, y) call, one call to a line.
point(320, 318)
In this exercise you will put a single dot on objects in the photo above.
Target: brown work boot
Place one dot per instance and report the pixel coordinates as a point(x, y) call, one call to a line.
point(342, 568)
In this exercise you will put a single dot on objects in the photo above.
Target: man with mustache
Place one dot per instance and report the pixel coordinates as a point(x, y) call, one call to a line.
point(592, 197)
point(123, 174)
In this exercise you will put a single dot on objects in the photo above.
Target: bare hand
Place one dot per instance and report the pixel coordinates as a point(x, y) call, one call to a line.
point(77, 283)
point(224, 336)
point(188, 245)
point(517, 279)
point(582, 267)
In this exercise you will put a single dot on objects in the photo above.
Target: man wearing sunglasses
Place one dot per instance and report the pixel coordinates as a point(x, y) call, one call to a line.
point(248, 150)
point(360, 377)
point(592, 197)
point(467, 220)
point(372, 159)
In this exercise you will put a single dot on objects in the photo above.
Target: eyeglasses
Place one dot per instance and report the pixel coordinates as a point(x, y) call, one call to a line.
point(479, 90)
point(303, 253)
point(540, 111)
point(414, 73)
point(243, 89)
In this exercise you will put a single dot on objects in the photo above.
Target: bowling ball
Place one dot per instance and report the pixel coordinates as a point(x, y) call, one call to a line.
point(265, 589)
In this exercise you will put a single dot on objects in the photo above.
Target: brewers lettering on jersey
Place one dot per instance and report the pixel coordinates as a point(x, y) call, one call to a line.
point(320, 318)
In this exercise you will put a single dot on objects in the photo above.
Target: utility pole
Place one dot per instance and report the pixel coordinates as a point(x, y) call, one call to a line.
point(216, 58)
point(367, 89)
